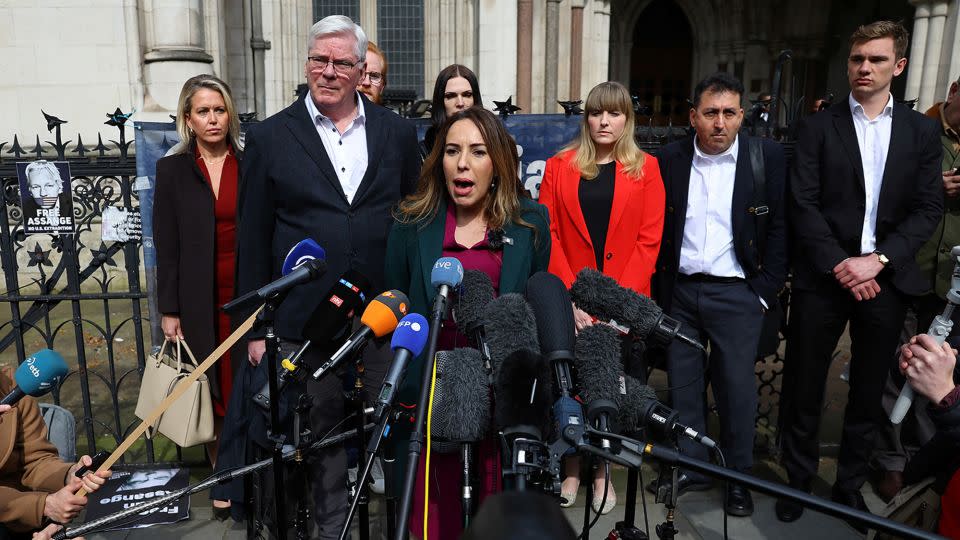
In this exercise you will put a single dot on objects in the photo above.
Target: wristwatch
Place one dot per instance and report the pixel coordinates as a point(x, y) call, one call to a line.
point(883, 258)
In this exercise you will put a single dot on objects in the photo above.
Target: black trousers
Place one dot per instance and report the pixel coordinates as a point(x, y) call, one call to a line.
point(728, 317)
point(817, 319)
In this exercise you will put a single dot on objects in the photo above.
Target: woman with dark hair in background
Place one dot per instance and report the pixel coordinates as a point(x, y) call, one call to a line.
point(468, 205)
point(456, 89)
point(606, 203)
point(194, 215)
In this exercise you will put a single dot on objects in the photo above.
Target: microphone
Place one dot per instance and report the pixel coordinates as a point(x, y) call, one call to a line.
point(600, 374)
point(347, 295)
point(510, 326)
point(407, 343)
point(522, 396)
point(939, 330)
point(461, 398)
point(639, 407)
point(475, 294)
point(305, 250)
point(36, 376)
point(305, 262)
point(602, 297)
point(550, 301)
point(379, 319)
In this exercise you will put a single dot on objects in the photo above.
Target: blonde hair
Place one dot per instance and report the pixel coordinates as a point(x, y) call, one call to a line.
point(184, 105)
point(503, 199)
point(613, 97)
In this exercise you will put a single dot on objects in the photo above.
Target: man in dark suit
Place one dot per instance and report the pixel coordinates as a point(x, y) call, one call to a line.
point(329, 167)
point(865, 194)
point(722, 261)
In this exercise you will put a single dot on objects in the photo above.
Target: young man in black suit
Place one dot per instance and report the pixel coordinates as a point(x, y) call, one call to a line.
point(866, 193)
point(331, 166)
point(721, 263)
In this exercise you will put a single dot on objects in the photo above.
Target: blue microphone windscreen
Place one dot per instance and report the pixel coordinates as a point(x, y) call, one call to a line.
point(411, 334)
point(40, 372)
point(446, 271)
point(302, 252)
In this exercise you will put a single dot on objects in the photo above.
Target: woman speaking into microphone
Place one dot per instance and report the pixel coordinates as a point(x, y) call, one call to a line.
point(468, 205)
point(606, 203)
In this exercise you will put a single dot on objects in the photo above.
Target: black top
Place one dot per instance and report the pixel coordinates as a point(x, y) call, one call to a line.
point(596, 200)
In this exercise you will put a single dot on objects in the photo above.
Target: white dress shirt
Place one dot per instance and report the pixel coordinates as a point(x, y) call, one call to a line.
point(707, 246)
point(348, 150)
point(873, 138)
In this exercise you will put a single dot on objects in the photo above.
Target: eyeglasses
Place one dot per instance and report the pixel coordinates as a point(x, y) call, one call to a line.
point(375, 77)
point(320, 63)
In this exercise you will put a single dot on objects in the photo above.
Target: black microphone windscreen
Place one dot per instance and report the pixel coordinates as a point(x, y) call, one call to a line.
point(553, 310)
point(634, 403)
point(510, 326)
point(523, 392)
point(461, 399)
point(476, 293)
point(599, 369)
point(602, 297)
point(347, 294)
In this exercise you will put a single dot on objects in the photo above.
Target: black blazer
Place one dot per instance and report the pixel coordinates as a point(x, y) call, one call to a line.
point(291, 192)
point(765, 276)
point(827, 197)
point(184, 229)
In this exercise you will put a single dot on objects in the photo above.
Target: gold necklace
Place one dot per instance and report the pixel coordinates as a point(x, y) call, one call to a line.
point(217, 162)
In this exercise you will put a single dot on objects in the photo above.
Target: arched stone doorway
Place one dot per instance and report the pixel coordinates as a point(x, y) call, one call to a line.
point(661, 62)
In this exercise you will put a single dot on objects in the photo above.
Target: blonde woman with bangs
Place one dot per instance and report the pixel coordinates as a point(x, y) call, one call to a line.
point(606, 202)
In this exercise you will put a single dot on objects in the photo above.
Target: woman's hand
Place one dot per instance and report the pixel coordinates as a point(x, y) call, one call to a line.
point(92, 480)
point(255, 350)
point(170, 324)
point(581, 319)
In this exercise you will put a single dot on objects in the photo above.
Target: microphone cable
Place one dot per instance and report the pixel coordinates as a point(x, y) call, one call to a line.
point(606, 484)
point(426, 467)
point(723, 463)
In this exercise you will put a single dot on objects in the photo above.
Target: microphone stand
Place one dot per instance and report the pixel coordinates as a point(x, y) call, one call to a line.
point(302, 437)
point(361, 496)
point(416, 438)
point(632, 452)
point(274, 432)
point(219, 478)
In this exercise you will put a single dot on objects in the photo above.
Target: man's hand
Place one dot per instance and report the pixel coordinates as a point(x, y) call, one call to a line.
point(856, 270)
point(581, 319)
point(92, 480)
point(951, 183)
point(48, 532)
point(928, 366)
point(255, 350)
point(868, 290)
point(63, 505)
point(5, 408)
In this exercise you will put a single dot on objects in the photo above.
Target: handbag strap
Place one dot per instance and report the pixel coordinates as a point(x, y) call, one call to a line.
point(190, 356)
point(761, 211)
point(181, 388)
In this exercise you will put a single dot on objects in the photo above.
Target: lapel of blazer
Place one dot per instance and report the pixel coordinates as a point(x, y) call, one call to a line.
point(516, 265)
point(375, 129)
point(680, 190)
point(570, 193)
point(430, 245)
point(843, 122)
point(305, 133)
point(742, 187)
point(623, 190)
point(900, 142)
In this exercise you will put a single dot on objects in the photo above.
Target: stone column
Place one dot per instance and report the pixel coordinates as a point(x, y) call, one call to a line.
point(524, 54)
point(918, 46)
point(576, 48)
point(931, 57)
point(552, 57)
point(176, 50)
point(368, 18)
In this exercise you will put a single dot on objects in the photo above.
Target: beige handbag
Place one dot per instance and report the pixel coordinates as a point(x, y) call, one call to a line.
point(189, 420)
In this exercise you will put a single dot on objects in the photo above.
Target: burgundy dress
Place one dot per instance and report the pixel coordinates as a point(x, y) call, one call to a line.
point(445, 515)
point(225, 242)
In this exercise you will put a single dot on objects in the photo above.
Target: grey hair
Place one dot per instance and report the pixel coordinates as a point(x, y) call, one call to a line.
point(337, 25)
point(42, 166)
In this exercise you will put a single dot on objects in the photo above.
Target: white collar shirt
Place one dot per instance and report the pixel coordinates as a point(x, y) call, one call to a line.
point(873, 138)
point(348, 150)
point(707, 246)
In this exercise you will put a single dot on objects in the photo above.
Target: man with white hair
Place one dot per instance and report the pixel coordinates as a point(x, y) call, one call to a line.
point(329, 167)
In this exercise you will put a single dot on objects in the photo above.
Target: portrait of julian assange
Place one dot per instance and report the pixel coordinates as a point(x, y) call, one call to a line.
point(46, 197)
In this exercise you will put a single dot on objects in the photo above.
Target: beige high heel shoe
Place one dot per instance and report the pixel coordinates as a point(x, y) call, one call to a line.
point(609, 504)
point(569, 496)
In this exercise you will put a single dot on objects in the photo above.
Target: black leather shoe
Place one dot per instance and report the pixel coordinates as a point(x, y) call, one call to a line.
point(853, 499)
point(685, 483)
point(788, 511)
point(738, 502)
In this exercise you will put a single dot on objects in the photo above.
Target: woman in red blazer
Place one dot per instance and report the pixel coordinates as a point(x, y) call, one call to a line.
point(606, 204)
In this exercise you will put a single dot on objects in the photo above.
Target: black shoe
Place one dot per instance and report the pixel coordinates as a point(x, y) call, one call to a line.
point(853, 499)
point(738, 502)
point(685, 483)
point(788, 511)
